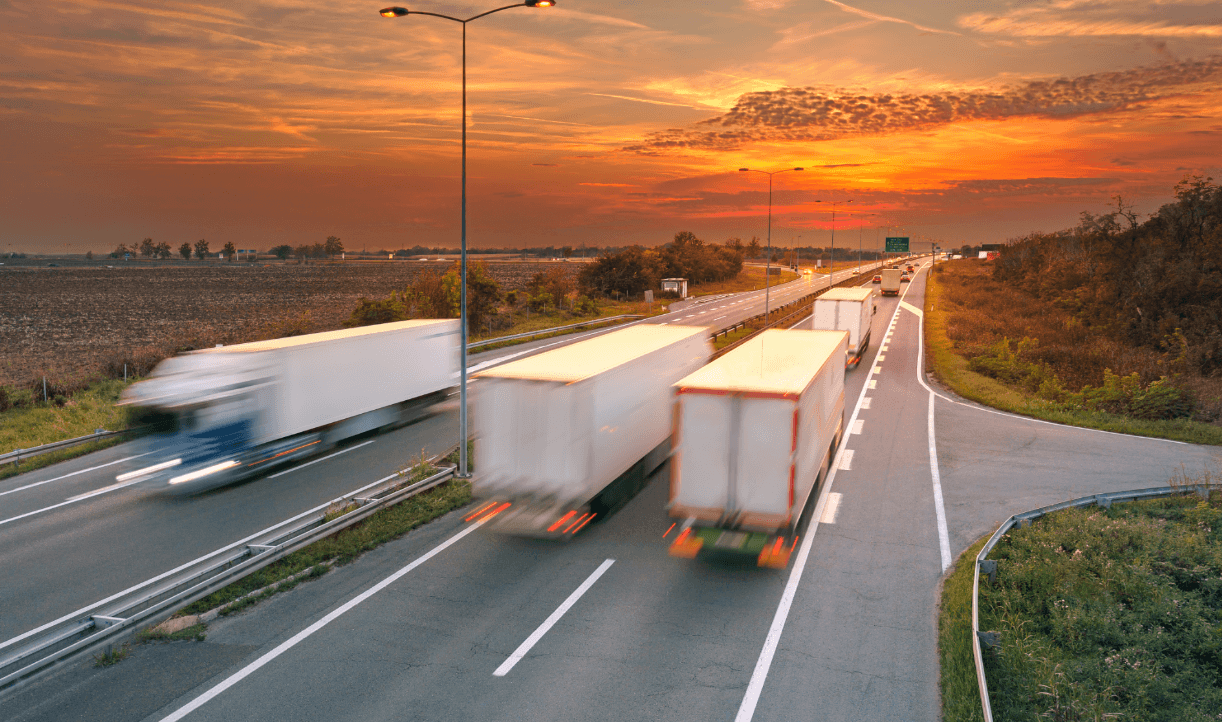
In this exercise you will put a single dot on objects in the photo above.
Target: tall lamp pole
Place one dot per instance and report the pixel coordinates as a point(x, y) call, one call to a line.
point(398, 12)
point(768, 266)
point(831, 273)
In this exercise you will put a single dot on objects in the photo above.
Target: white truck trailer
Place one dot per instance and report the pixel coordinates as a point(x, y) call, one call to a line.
point(755, 432)
point(846, 309)
point(572, 433)
point(224, 413)
point(891, 281)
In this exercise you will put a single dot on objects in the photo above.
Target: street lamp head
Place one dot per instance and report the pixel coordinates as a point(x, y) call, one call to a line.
point(540, 3)
point(799, 169)
point(392, 12)
point(741, 170)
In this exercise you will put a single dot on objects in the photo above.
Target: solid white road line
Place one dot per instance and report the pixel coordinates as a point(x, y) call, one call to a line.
point(943, 535)
point(759, 675)
point(188, 565)
point(535, 636)
point(305, 633)
point(328, 456)
point(82, 471)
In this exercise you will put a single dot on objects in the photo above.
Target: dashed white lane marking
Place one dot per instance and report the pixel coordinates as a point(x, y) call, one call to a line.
point(878, 369)
point(535, 636)
point(865, 403)
point(846, 461)
point(721, 317)
point(857, 426)
point(884, 348)
point(65, 476)
point(296, 639)
point(833, 507)
point(873, 383)
point(881, 357)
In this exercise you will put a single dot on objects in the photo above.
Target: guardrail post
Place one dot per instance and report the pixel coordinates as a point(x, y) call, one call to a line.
point(989, 566)
point(990, 640)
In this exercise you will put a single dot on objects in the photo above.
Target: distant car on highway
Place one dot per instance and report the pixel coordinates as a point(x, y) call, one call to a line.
point(877, 279)
point(904, 277)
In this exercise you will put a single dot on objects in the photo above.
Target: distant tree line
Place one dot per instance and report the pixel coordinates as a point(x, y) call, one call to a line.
point(1156, 283)
point(634, 269)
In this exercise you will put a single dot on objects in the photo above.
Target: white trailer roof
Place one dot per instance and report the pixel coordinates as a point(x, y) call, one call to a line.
point(326, 336)
point(856, 293)
point(775, 362)
point(582, 360)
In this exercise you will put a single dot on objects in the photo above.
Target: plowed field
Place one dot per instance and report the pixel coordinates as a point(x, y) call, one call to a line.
point(68, 323)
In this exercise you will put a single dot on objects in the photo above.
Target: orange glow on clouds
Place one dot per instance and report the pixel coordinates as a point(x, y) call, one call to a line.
point(590, 123)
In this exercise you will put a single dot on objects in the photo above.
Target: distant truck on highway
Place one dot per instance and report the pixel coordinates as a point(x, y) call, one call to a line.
point(891, 281)
point(755, 433)
point(569, 435)
point(225, 413)
point(846, 309)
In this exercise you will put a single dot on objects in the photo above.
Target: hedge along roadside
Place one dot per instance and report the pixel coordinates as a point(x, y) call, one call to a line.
point(954, 372)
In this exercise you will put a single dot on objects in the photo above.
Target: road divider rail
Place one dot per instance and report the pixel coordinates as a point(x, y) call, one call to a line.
point(1024, 519)
point(120, 618)
point(18, 454)
point(790, 311)
point(553, 329)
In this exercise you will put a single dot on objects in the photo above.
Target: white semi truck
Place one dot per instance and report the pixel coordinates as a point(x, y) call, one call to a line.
point(225, 413)
point(891, 281)
point(755, 433)
point(846, 309)
point(570, 434)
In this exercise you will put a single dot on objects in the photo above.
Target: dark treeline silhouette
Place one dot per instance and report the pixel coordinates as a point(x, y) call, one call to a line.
point(634, 269)
point(1138, 282)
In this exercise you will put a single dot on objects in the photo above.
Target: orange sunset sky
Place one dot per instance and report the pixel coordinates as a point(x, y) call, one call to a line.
point(604, 123)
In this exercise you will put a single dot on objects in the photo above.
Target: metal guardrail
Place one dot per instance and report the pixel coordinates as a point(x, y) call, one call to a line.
point(17, 455)
point(554, 329)
point(110, 623)
point(1024, 519)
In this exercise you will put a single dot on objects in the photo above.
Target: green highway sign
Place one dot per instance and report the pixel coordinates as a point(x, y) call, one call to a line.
point(897, 244)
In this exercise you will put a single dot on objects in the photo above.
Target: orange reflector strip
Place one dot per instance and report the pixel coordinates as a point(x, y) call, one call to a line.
point(587, 521)
point(282, 453)
point(482, 509)
point(570, 526)
point(561, 521)
point(672, 526)
point(498, 510)
point(795, 544)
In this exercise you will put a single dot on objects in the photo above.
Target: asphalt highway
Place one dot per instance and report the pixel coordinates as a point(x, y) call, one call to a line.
point(69, 537)
point(453, 622)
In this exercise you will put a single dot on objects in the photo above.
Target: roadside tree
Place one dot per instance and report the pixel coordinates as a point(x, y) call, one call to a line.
point(164, 251)
point(333, 246)
point(201, 249)
point(147, 248)
point(283, 252)
point(229, 250)
point(185, 251)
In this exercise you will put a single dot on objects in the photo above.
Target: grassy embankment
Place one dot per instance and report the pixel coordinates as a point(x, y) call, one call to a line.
point(751, 278)
point(967, 315)
point(1103, 614)
point(28, 426)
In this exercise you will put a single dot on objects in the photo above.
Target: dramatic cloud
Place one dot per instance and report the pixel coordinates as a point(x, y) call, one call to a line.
point(814, 114)
point(1076, 18)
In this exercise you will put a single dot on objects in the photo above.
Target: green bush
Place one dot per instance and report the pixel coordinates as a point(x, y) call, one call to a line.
point(382, 310)
point(541, 302)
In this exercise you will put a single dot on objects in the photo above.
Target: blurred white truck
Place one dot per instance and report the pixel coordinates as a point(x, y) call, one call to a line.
point(891, 281)
point(755, 432)
point(846, 309)
point(224, 413)
point(570, 434)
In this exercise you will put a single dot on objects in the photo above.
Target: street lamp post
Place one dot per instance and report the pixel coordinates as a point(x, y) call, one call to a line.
point(768, 265)
point(398, 12)
point(831, 273)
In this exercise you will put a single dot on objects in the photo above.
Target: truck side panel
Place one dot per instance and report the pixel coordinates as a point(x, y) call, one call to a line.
point(765, 456)
point(322, 383)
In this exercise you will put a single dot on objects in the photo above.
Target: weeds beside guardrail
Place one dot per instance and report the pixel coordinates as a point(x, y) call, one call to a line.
point(106, 623)
point(553, 329)
point(985, 566)
point(17, 455)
